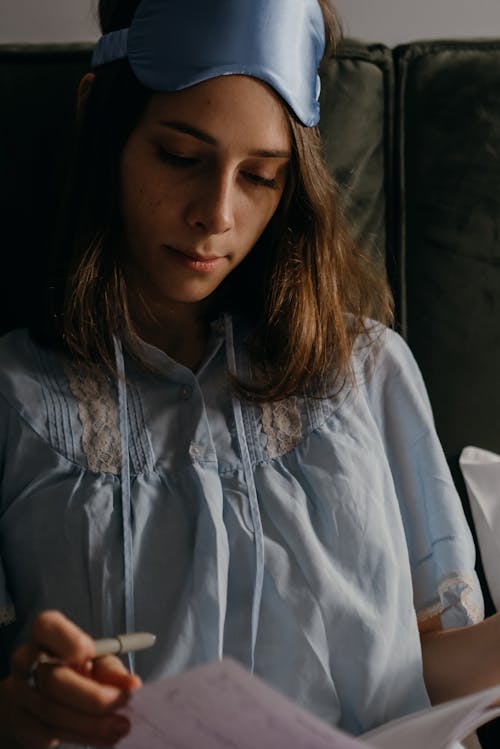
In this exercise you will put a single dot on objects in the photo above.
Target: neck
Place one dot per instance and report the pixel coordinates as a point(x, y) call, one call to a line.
point(180, 330)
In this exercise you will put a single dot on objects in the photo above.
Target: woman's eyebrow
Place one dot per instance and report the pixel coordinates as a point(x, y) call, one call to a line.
point(184, 127)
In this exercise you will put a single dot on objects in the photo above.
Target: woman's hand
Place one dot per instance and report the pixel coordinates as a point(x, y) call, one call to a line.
point(76, 703)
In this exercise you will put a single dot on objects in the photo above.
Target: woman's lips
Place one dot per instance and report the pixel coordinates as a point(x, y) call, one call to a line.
point(193, 261)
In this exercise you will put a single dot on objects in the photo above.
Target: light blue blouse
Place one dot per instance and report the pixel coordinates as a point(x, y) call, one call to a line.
point(299, 537)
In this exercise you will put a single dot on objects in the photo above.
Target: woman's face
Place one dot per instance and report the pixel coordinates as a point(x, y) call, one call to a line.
point(201, 176)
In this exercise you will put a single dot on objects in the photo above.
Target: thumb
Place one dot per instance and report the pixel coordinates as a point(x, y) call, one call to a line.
point(58, 636)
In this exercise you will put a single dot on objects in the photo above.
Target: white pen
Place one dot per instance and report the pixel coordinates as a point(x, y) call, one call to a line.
point(124, 643)
point(109, 646)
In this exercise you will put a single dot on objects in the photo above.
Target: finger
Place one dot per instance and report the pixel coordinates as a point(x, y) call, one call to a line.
point(23, 658)
point(67, 687)
point(57, 635)
point(70, 724)
point(18, 727)
point(54, 633)
point(35, 734)
point(110, 670)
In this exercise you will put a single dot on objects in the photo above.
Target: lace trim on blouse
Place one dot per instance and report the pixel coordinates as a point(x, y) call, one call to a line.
point(282, 425)
point(98, 413)
point(7, 615)
point(455, 591)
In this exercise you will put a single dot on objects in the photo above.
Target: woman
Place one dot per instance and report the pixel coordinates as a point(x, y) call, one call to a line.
point(204, 436)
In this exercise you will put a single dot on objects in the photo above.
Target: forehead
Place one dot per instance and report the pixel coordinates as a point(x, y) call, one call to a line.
point(227, 106)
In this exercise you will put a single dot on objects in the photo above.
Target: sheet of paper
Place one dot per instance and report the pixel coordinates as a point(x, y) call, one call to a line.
point(438, 727)
point(481, 471)
point(220, 706)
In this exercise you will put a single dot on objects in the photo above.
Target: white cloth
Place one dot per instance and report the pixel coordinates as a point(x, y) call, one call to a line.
point(481, 471)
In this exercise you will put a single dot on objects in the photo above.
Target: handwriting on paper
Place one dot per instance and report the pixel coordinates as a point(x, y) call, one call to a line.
point(220, 706)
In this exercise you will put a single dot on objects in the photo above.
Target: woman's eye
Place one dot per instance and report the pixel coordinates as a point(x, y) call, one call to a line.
point(174, 159)
point(264, 181)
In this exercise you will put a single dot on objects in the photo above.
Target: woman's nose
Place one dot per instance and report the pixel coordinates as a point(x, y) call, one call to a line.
point(212, 208)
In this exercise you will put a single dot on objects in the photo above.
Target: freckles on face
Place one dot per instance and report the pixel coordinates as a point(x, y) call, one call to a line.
point(201, 177)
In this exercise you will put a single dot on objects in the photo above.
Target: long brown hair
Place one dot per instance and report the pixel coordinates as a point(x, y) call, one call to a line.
point(305, 287)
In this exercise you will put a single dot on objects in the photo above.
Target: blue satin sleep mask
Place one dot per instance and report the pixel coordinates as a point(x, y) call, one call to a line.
point(173, 44)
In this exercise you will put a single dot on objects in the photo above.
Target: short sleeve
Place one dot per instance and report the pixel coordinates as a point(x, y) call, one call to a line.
point(440, 545)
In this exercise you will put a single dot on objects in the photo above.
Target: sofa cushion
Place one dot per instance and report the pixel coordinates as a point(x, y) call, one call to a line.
point(356, 127)
point(448, 157)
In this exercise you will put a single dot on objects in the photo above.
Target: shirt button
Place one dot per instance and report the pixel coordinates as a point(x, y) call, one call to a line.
point(186, 392)
point(195, 451)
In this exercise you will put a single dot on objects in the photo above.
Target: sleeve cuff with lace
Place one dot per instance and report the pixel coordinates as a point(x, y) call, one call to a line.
point(459, 601)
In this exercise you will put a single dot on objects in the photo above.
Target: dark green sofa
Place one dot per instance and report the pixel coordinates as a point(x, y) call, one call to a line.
point(413, 137)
